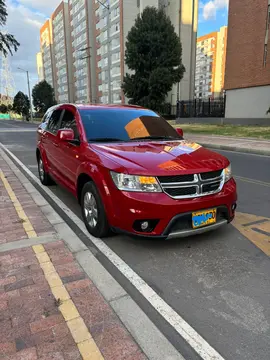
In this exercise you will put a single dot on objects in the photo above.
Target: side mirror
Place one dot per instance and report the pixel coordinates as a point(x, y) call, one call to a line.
point(65, 135)
point(180, 131)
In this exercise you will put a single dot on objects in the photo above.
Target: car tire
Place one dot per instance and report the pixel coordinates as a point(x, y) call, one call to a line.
point(93, 211)
point(44, 177)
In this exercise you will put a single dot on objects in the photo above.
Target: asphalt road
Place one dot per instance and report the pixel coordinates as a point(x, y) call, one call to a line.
point(218, 282)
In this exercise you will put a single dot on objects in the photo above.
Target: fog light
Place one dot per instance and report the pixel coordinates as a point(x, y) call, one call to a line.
point(144, 225)
point(233, 207)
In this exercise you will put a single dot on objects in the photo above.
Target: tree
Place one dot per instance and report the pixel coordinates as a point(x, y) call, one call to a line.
point(21, 105)
point(3, 109)
point(8, 43)
point(154, 53)
point(43, 97)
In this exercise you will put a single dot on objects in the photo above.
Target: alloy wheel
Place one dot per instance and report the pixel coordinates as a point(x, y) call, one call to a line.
point(41, 169)
point(90, 209)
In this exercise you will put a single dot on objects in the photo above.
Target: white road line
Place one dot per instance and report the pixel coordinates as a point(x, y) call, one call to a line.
point(195, 340)
point(18, 129)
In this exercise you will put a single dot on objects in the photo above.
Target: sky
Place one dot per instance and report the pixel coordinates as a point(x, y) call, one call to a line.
point(25, 17)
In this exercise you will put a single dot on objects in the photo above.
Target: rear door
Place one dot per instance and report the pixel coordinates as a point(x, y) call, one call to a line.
point(51, 142)
point(70, 151)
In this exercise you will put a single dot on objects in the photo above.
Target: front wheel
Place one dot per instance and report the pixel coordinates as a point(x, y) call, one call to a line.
point(93, 212)
point(44, 177)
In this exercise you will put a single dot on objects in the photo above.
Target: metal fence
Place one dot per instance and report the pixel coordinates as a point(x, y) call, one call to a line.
point(168, 111)
point(201, 108)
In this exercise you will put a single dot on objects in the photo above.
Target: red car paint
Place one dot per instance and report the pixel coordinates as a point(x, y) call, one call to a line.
point(66, 163)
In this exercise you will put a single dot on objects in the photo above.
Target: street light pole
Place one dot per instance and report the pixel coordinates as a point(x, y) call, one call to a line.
point(107, 7)
point(29, 92)
point(88, 56)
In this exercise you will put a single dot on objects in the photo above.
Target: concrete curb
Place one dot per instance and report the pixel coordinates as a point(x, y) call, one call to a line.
point(251, 151)
point(154, 344)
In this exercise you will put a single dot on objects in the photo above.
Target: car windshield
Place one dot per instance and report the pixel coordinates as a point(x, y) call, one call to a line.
point(109, 124)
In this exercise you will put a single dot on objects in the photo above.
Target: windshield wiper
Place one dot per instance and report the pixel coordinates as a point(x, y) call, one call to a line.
point(156, 138)
point(105, 139)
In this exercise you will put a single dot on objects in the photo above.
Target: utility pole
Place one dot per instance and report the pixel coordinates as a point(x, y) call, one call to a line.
point(88, 56)
point(107, 7)
point(29, 92)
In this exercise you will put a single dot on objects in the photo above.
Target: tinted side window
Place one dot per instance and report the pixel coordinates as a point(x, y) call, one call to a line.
point(69, 122)
point(45, 119)
point(54, 122)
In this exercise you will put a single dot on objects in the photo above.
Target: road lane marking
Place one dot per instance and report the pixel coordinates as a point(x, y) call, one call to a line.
point(261, 231)
point(256, 222)
point(259, 235)
point(17, 129)
point(182, 327)
point(79, 331)
point(252, 181)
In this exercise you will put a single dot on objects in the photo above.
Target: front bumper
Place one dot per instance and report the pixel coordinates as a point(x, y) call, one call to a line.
point(174, 216)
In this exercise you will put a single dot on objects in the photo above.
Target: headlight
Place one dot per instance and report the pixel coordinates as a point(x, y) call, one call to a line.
point(227, 173)
point(126, 182)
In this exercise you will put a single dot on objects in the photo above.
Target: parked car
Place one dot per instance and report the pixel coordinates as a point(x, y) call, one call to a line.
point(133, 173)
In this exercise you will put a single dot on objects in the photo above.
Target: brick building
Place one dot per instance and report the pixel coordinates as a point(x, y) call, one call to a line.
point(247, 79)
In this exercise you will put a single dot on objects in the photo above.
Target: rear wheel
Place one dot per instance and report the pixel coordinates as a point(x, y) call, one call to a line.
point(44, 177)
point(93, 212)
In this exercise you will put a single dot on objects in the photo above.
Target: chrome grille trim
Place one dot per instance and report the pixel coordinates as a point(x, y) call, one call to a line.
point(197, 183)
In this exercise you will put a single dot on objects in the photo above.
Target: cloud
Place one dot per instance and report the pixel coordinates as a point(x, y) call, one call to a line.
point(24, 23)
point(210, 8)
point(45, 6)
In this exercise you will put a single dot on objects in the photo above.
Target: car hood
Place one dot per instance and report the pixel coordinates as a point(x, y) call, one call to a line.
point(162, 157)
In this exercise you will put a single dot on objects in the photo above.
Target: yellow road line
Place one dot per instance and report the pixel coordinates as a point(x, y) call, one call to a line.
point(25, 221)
point(261, 240)
point(252, 181)
point(79, 331)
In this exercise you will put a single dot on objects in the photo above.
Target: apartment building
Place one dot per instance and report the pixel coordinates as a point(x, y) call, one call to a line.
point(83, 50)
point(210, 64)
point(83, 33)
point(184, 17)
point(40, 69)
point(247, 78)
point(46, 46)
point(112, 28)
point(64, 89)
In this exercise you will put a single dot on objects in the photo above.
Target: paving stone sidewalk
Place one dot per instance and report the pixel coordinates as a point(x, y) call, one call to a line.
point(49, 308)
point(245, 145)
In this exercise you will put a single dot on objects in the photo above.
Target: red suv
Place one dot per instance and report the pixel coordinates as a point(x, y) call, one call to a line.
point(132, 172)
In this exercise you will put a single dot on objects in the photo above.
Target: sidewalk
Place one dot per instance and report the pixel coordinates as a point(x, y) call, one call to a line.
point(49, 308)
point(245, 145)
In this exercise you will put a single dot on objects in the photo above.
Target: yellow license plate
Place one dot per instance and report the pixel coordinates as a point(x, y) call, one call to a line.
point(204, 218)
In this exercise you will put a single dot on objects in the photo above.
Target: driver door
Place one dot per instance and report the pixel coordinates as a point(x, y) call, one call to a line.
point(50, 141)
point(70, 151)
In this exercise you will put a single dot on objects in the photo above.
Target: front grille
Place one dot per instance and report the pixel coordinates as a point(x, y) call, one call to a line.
point(211, 175)
point(176, 179)
point(182, 191)
point(210, 187)
point(193, 185)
